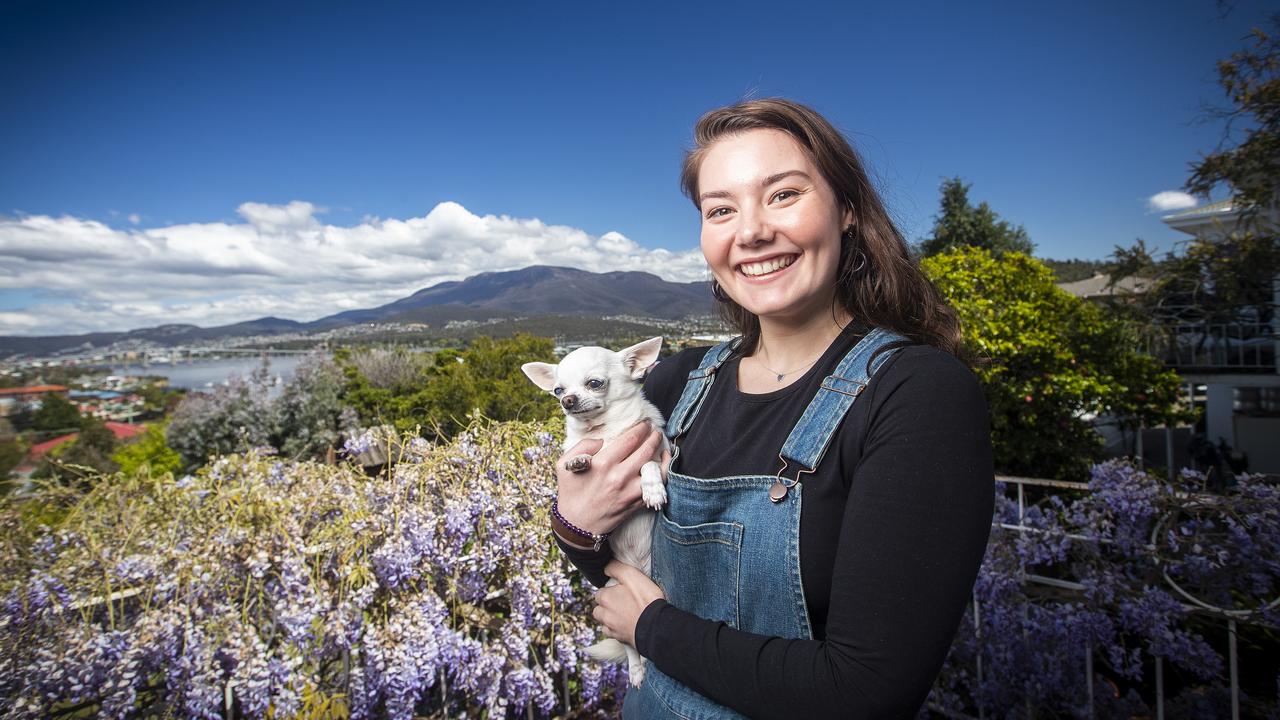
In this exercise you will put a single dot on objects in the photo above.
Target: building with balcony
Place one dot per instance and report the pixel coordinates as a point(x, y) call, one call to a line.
point(1229, 364)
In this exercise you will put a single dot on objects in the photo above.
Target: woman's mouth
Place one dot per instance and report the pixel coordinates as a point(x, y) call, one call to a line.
point(767, 267)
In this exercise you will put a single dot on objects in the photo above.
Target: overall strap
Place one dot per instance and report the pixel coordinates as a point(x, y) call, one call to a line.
point(809, 439)
point(695, 390)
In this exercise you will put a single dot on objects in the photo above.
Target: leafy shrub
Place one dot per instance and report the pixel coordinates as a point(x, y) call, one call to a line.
point(394, 369)
point(148, 449)
point(310, 415)
point(267, 587)
point(236, 416)
point(306, 419)
point(485, 376)
point(1049, 362)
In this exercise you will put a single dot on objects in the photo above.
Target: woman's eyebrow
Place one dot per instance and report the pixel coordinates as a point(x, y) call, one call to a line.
point(786, 173)
point(764, 183)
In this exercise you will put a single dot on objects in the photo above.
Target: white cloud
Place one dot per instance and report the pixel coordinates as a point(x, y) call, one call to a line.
point(280, 261)
point(1170, 200)
point(135, 218)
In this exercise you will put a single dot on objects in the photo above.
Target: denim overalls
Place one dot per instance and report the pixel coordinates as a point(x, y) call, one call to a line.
point(729, 548)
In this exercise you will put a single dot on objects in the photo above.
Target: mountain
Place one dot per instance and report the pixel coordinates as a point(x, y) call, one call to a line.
point(161, 335)
point(544, 290)
point(536, 290)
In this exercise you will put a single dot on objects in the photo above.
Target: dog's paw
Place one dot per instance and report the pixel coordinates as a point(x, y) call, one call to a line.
point(635, 673)
point(578, 463)
point(652, 489)
point(654, 495)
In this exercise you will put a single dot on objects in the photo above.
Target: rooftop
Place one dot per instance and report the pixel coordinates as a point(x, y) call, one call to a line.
point(32, 389)
point(1100, 286)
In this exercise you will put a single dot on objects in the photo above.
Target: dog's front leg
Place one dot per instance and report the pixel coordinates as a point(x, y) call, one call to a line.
point(652, 489)
point(635, 666)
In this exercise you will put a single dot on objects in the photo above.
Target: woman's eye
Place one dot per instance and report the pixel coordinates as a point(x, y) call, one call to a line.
point(595, 384)
point(558, 391)
point(784, 195)
point(718, 212)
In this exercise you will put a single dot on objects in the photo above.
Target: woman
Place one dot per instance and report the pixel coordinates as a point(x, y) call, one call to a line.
point(843, 390)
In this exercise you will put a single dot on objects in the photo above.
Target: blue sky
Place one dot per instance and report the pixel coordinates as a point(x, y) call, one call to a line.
point(131, 128)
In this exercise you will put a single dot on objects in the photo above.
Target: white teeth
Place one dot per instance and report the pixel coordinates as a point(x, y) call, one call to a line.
point(766, 267)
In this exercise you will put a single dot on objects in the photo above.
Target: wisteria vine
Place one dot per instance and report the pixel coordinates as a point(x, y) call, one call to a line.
point(1133, 568)
point(259, 587)
point(263, 587)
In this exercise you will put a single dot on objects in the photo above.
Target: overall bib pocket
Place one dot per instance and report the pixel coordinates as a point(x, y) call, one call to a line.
point(707, 550)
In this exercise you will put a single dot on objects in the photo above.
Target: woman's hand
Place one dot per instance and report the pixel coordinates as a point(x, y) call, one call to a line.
point(608, 492)
point(618, 607)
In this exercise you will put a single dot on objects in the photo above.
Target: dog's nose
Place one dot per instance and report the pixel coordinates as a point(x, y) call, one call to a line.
point(569, 401)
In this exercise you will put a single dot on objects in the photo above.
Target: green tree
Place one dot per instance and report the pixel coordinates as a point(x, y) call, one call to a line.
point(92, 449)
point(158, 399)
point(1048, 362)
point(148, 449)
point(1214, 280)
point(959, 224)
point(1075, 269)
point(11, 452)
point(56, 413)
point(1251, 168)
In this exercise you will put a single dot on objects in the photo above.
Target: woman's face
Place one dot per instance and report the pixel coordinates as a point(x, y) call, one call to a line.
point(771, 225)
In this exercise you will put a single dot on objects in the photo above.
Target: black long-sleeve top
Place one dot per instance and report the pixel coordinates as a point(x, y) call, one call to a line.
point(893, 527)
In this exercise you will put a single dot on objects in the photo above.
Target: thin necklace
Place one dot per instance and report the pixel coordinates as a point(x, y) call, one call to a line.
point(781, 375)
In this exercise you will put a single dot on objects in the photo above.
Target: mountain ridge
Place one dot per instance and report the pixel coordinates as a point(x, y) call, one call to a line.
point(533, 290)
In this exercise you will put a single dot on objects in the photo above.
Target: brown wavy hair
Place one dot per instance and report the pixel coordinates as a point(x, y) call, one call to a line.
point(889, 290)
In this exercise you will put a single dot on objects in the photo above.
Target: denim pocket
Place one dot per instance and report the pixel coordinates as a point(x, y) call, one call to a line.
point(705, 581)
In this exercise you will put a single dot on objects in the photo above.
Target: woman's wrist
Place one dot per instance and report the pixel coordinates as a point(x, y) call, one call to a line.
point(574, 535)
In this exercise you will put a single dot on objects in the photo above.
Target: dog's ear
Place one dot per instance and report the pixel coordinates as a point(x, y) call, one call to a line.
point(637, 358)
point(542, 374)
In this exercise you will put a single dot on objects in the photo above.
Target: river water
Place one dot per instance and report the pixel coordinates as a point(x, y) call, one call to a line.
point(205, 374)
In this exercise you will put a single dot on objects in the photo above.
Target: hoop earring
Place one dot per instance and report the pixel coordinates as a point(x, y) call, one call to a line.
point(718, 292)
point(851, 235)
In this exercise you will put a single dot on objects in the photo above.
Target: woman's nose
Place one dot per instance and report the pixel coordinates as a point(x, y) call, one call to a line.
point(752, 228)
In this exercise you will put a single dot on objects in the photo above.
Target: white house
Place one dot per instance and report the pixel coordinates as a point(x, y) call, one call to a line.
point(1234, 363)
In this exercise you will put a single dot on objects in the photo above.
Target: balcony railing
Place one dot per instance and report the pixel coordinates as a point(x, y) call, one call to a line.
point(1209, 347)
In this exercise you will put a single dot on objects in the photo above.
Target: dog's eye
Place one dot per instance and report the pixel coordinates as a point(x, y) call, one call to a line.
point(558, 391)
point(595, 384)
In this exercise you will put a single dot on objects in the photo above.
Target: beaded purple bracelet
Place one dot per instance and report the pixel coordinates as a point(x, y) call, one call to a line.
point(597, 540)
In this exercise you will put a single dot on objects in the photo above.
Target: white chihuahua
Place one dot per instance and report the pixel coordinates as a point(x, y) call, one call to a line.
point(599, 391)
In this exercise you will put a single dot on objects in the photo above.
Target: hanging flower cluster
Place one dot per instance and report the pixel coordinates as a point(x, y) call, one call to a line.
point(1146, 568)
point(263, 588)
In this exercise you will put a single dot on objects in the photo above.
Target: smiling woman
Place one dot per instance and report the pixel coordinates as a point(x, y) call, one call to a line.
point(843, 390)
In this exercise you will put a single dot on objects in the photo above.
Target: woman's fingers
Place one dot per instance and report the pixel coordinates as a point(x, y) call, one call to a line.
point(619, 606)
point(585, 446)
point(642, 454)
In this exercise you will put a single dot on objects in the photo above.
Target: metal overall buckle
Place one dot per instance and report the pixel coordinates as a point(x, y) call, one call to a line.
point(778, 490)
